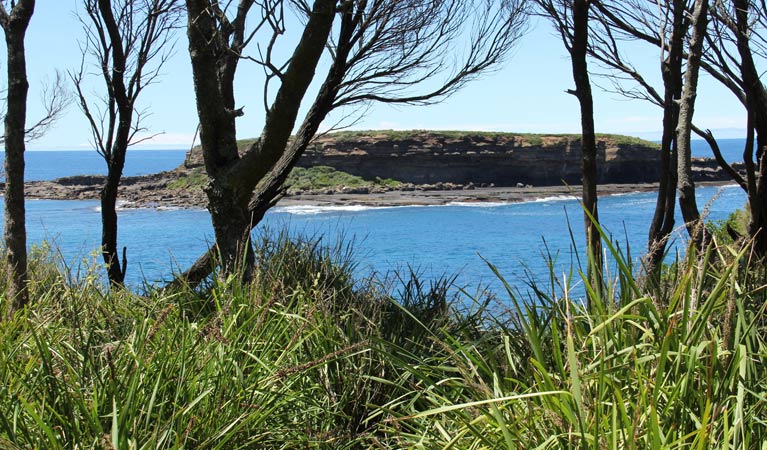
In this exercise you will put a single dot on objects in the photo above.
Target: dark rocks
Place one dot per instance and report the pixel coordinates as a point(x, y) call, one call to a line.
point(500, 159)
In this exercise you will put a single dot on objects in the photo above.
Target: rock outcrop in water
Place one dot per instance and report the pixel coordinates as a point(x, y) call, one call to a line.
point(433, 168)
point(501, 159)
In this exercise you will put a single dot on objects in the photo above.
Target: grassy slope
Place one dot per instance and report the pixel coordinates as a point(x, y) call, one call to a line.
point(308, 357)
point(312, 178)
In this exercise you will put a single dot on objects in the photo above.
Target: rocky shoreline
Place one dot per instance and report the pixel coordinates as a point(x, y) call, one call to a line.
point(157, 191)
point(413, 168)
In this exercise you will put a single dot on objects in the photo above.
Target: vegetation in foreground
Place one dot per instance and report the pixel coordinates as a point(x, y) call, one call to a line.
point(306, 356)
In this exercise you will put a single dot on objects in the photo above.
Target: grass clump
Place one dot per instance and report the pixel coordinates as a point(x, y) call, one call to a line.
point(319, 177)
point(292, 360)
point(631, 371)
point(621, 139)
point(308, 356)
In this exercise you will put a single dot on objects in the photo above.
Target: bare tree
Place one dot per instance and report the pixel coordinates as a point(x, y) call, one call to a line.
point(406, 51)
point(15, 22)
point(735, 43)
point(128, 41)
point(744, 20)
point(571, 20)
point(686, 186)
point(55, 99)
point(665, 25)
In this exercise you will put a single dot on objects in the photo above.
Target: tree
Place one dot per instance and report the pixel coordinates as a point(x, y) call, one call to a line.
point(665, 25)
point(736, 43)
point(571, 19)
point(686, 186)
point(129, 41)
point(14, 23)
point(406, 52)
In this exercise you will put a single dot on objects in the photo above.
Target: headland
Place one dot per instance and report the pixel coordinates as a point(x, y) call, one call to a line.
point(396, 168)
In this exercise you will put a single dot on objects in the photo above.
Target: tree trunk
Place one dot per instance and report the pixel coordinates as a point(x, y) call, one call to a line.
point(234, 179)
point(272, 188)
point(15, 27)
point(686, 186)
point(756, 103)
point(115, 160)
point(115, 268)
point(588, 140)
point(231, 226)
point(218, 137)
point(663, 219)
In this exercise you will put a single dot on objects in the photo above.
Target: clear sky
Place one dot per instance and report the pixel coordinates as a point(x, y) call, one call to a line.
point(526, 94)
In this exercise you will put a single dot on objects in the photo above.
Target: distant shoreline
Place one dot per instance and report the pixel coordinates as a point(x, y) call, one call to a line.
point(151, 192)
point(478, 195)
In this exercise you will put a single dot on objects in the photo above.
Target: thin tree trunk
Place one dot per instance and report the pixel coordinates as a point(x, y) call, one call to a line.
point(686, 185)
point(756, 103)
point(588, 140)
point(115, 268)
point(15, 27)
point(663, 219)
point(115, 160)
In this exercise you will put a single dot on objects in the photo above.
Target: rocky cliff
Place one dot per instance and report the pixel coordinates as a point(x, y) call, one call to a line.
point(502, 159)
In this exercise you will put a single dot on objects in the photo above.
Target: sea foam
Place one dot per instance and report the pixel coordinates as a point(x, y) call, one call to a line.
point(478, 204)
point(305, 210)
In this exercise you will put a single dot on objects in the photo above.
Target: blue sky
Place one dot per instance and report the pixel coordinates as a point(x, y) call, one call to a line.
point(525, 94)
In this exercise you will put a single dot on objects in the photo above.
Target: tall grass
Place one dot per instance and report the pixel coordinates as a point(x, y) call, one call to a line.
point(291, 361)
point(308, 357)
point(633, 372)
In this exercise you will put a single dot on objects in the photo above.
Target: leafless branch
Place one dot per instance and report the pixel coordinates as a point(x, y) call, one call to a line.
point(402, 46)
point(127, 42)
point(55, 100)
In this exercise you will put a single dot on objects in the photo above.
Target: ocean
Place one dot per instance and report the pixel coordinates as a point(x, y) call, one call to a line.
point(436, 240)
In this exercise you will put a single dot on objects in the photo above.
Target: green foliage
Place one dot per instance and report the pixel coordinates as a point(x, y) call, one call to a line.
point(300, 178)
point(291, 361)
point(627, 140)
point(630, 371)
point(308, 356)
point(737, 221)
point(194, 179)
point(342, 136)
point(323, 177)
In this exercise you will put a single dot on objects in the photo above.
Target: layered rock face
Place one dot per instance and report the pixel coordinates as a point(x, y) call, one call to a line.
point(502, 159)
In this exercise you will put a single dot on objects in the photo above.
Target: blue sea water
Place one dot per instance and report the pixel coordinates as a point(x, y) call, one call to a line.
point(435, 240)
point(47, 165)
point(732, 149)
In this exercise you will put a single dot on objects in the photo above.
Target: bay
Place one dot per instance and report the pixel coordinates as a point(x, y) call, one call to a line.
point(439, 240)
point(435, 240)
